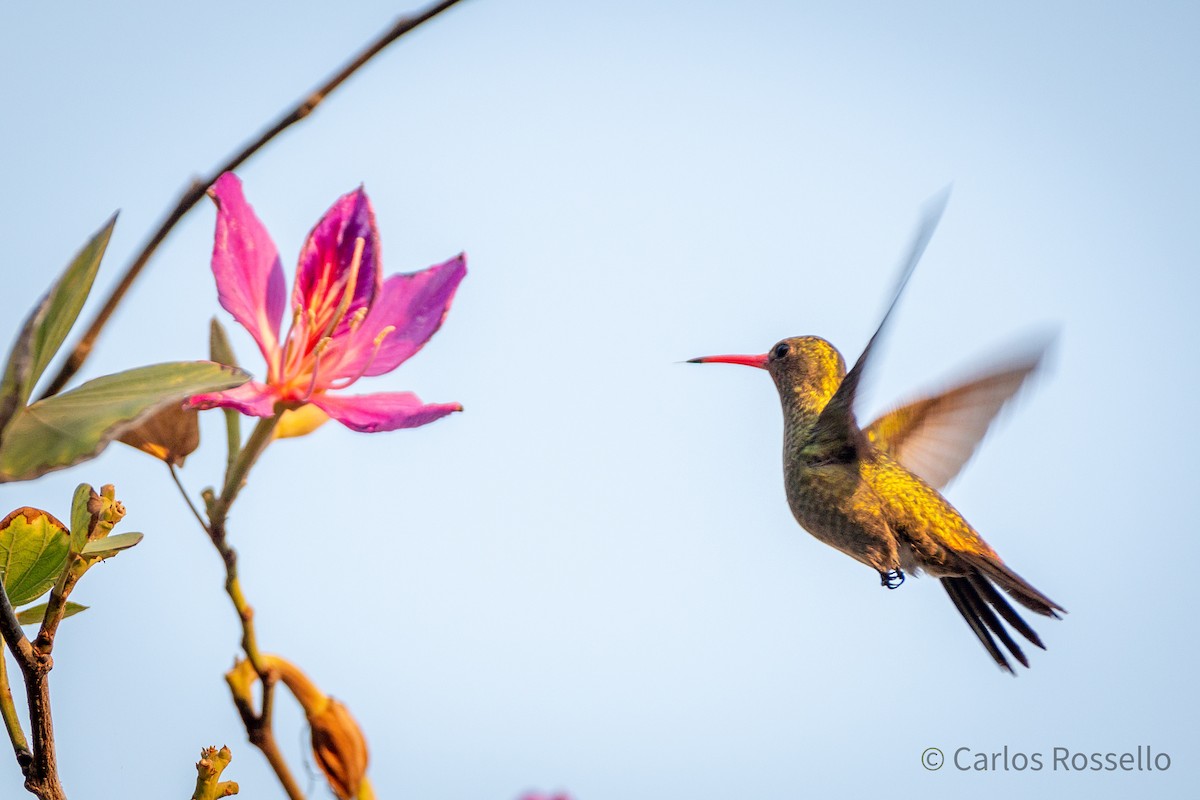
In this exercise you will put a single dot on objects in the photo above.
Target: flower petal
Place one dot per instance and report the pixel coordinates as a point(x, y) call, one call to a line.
point(252, 398)
point(246, 265)
point(300, 421)
point(386, 411)
point(325, 261)
point(415, 306)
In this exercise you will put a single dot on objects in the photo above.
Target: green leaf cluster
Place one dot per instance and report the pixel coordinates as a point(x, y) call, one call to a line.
point(38, 553)
point(65, 429)
point(33, 552)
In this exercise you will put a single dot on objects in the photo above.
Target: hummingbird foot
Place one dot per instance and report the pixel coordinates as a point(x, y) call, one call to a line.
point(892, 579)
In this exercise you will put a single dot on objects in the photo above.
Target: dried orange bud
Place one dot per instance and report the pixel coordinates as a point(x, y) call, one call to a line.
point(337, 742)
point(340, 748)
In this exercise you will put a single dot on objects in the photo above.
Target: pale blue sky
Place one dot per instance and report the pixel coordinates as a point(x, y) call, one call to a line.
point(590, 579)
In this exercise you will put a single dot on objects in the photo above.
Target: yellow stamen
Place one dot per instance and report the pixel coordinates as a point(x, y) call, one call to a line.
point(351, 284)
point(383, 334)
point(322, 345)
point(289, 346)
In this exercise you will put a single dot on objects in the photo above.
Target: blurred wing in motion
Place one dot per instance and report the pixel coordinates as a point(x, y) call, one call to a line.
point(835, 428)
point(935, 436)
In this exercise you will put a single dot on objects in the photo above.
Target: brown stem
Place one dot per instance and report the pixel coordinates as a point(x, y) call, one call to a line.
point(39, 763)
point(14, 637)
point(233, 587)
point(12, 722)
point(43, 778)
point(259, 728)
point(193, 194)
point(41, 772)
point(56, 606)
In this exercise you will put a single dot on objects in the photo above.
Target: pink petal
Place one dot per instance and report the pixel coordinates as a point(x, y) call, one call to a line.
point(328, 253)
point(246, 265)
point(252, 398)
point(415, 305)
point(387, 411)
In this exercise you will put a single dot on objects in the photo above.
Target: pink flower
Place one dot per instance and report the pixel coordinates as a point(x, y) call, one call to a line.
point(347, 321)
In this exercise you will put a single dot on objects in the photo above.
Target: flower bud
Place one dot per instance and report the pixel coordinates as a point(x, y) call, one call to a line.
point(340, 748)
point(337, 742)
point(105, 510)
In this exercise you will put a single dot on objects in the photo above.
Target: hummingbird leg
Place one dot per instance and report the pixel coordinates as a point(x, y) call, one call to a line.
point(892, 579)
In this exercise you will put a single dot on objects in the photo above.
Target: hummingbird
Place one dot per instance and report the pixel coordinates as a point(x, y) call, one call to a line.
point(874, 493)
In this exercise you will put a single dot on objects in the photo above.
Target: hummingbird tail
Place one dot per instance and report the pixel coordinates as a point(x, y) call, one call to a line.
point(977, 599)
point(1017, 587)
point(964, 592)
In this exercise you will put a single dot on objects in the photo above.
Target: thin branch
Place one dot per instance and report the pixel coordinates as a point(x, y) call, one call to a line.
point(258, 723)
point(12, 722)
point(41, 777)
point(193, 194)
point(56, 605)
point(41, 769)
point(14, 636)
point(41, 772)
point(259, 728)
point(187, 499)
point(235, 476)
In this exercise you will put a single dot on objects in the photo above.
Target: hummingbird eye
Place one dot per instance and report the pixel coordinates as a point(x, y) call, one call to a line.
point(781, 350)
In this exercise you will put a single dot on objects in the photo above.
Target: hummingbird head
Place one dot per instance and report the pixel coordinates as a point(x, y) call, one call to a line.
point(807, 370)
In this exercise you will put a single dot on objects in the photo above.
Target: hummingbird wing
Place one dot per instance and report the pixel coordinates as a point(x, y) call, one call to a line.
point(933, 437)
point(836, 431)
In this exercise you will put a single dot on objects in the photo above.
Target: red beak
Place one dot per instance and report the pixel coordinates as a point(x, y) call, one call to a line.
point(749, 361)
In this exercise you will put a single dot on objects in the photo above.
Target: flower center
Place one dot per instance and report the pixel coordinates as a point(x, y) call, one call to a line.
point(308, 340)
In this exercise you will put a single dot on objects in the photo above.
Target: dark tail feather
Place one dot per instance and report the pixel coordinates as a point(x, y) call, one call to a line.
point(984, 612)
point(997, 601)
point(1018, 588)
point(967, 602)
point(979, 602)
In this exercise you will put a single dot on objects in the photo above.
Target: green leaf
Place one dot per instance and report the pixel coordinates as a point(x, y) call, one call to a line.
point(66, 300)
point(15, 387)
point(51, 320)
point(81, 518)
point(219, 349)
point(71, 427)
point(33, 551)
point(111, 545)
point(35, 614)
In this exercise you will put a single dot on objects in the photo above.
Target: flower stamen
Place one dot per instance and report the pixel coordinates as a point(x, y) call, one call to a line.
point(383, 334)
point(289, 346)
point(351, 284)
point(322, 345)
